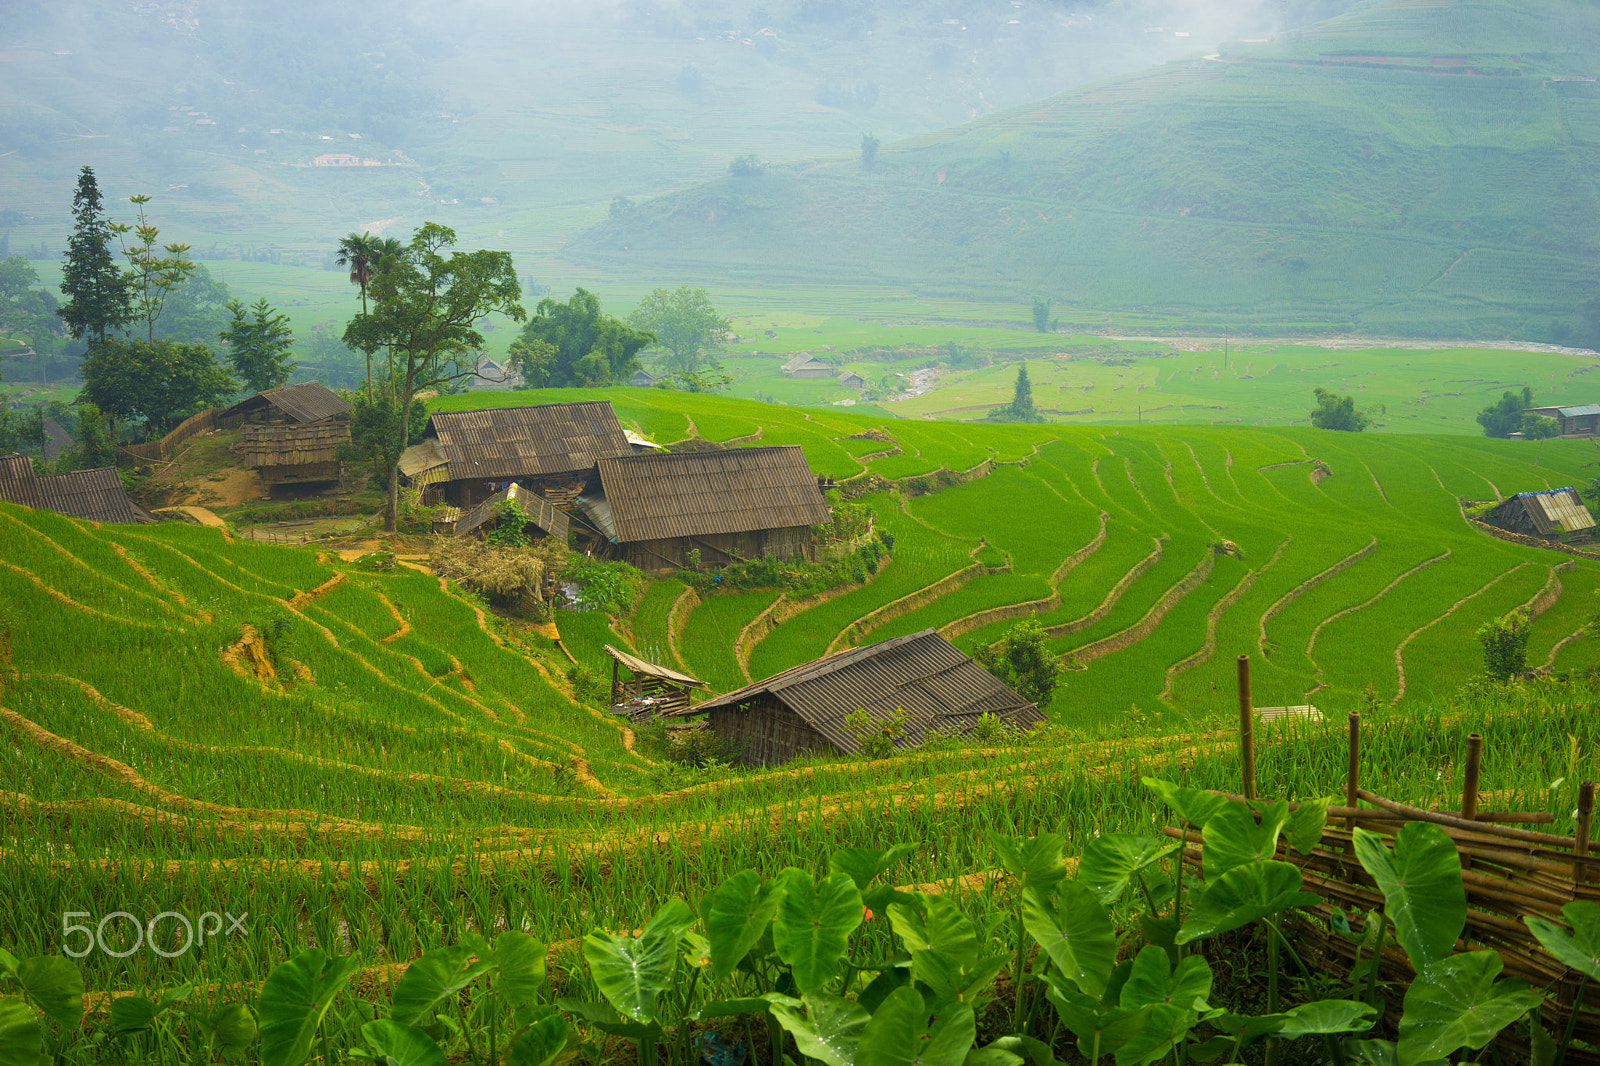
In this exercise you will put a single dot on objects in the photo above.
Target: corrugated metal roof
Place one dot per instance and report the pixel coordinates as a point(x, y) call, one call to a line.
point(309, 401)
point(940, 687)
point(1557, 510)
point(96, 495)
point(508, 442)
point(690, 494)
point(15, 466)
point(424, 464)
point(536, 507)
point(598, 512)
point(1580, 410)
point(640, 666)
point(805, 361)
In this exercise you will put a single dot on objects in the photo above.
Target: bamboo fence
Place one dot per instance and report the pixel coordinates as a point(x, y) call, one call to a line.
point(1509, 872)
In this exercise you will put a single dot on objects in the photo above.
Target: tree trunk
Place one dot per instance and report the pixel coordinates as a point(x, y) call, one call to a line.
point(391, 498)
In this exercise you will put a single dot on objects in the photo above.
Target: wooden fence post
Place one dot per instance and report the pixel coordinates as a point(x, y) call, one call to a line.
point(1352, 766)
point(1247, 741)
point(1580, 848)
point(1469, 782)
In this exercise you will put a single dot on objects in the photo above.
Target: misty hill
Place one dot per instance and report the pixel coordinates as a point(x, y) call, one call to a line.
point(1422, 168)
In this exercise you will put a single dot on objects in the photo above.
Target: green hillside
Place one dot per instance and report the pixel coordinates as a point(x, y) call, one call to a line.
point(1409, 168)
point(414, 769)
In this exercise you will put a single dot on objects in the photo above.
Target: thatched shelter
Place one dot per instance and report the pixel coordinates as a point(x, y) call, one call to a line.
point(96, 495)
point(803, 709)
point(551, 448)
point(668, 687)
point(729, 504)
point(285, 453)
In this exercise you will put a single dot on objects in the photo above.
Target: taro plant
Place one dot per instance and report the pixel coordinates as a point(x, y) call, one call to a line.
point(41, 1005)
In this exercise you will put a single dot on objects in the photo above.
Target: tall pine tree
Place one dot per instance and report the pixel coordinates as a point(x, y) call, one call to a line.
point(98, 298)
point(1021, 408)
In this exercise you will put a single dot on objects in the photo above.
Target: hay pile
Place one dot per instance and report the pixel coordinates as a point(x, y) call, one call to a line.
point(509, 576)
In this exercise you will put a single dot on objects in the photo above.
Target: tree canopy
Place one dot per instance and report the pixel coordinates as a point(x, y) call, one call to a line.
point(1338, 412)
point(159, 383)
point(577, 344)
point(1021, 408)
point(684, 323)
point(1022, 660)
point(1504, 417)
point(97, 294)
point(259, 342)
point(424, 319)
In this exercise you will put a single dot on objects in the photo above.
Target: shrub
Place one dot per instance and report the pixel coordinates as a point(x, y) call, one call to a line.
point(1505, 644)
point(877, 735)
point(607, 585)
point(510, 526)
point(1021, 660)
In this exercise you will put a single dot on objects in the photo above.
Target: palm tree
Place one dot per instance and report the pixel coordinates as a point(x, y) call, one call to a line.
point(359, 252)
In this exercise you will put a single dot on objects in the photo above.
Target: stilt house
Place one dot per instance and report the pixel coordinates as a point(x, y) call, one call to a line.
point(551, 449)
point(803, 709)
point(729, 504)
point(1556, 513)
point(96, 495)
point(291, 435)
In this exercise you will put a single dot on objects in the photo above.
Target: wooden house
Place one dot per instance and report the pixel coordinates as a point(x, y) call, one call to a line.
point(667, 687)
point(803, 709)
point(542, 516)
point(851, 380)
point(551, 448)
point(301, 404)
point(289, 454)
point(806, 365)
point(1558, 513)
point(1580, 420)
point(730, 504)
point(643, 379)
point(96, 495)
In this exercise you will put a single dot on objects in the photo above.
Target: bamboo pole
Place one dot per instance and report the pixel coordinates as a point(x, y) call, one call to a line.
point(1469, 782)
point(1353, 765)
point(1247, 741)
point(1580, 835)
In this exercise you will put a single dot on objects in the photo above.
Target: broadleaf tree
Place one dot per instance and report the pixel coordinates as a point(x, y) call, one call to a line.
point(259, 345)
point(577, 344)
point(424, 318)
point(158, 383)
point(97, 293)
point(1504, 417)
point(151, 276)
point(1338, 412)
point(684, 323)
point(1022, 660)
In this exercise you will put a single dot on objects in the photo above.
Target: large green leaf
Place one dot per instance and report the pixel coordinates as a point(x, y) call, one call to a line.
point(520, 964)
point(737, 913)
point(1233, 837)
point(866, 865)
point(131, 1014)
point(904, 1031)
point(1034, 863)
point(1579, 949)
point(1110, 862)
point(1422, 889)
point(433, 980)
point(631, 971)
point(1102, 1026)
point(1193, 805)
point(1456, 1003)
point(814, 925)
point(1307, 822)
point(1075, 931)
point(21, 1042)
point(604, 1017)
point(294, 997)
point(673, 918)
point(824, 1027)
point(935, 923)
point(402, 1045)
point(544, 1043)
point(950, 979)
point(55, 987)
point(1329, 1016)
point(1242, 895)
point(1166, 1024)
point(233, 1027)
point(1153, 981)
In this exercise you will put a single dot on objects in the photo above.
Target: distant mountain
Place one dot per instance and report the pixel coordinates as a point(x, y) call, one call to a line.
point(1416, 166)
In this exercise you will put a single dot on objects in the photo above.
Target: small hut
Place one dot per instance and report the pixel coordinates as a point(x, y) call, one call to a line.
point(287, 454)
point(1558, 513)
point(540, 514)
point(96, 495)
point(806, 365)
point(643, 379)
point(668, 688)
point(803, 709)
point(851, 380)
